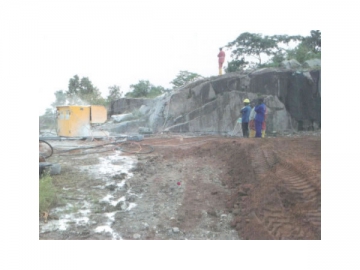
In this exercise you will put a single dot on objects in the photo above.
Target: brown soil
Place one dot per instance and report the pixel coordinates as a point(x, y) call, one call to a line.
point(217, 188)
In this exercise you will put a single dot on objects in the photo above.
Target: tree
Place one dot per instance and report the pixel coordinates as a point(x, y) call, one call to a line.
point(184, 77)
point(144, 89)
point(83, 92)
point(249, 44)
point(114, 93)
point(155, 91)
point(313, 41)
point(235, 65)
point(73, 90)
point(302, 53)
point(60, 98)
point(276, 60)
point(309, 48)
point(48, 119)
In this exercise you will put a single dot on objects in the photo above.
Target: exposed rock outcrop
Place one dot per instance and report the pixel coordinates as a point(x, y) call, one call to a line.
point(213, 105)
point(290, 64)
point(312, 63)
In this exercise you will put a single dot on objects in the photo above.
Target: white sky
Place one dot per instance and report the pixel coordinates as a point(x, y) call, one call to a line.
point(122, 42)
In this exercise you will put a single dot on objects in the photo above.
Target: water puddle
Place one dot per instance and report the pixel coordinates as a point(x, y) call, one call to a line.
point(66, 218)
point(111, 165)
point(80, 213)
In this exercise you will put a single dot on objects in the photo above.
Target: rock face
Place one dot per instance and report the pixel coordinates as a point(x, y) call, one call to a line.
point(124, 105)
point(290, 64)
point(312, 63)
point(213, 105)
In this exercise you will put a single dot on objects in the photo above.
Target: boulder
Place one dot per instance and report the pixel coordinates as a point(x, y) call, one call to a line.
point(125, 127)
point(122, 205)
point(51, 168)
point(290, 64)
point(117, 118)
point(126, 105)
point(144, 109)
point(312, 63)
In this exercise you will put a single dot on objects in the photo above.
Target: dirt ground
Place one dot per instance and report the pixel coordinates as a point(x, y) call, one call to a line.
point(193, 188)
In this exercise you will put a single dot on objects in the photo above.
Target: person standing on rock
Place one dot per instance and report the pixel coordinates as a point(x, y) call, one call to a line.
point(260, 110)
point(245, 113)
point(221, 57)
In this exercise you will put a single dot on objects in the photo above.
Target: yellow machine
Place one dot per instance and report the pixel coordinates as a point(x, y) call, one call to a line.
point(76, 120)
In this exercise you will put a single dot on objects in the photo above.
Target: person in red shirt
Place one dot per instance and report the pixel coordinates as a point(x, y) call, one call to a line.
point(221, 57)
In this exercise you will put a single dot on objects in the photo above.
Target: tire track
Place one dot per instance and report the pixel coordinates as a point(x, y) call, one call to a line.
point(297, 182)
point(262, 161)
point(300, 187)
point(314, 217)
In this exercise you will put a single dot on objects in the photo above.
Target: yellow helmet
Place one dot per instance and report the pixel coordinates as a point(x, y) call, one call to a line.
point(246, 100)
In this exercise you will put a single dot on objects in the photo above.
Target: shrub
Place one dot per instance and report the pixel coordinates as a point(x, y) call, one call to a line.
point(47, 193)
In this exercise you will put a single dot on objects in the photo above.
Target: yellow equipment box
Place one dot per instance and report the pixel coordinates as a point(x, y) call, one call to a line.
point(76, 120)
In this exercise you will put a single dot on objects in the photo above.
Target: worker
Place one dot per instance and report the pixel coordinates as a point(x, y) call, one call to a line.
point(252, 120)
point(263, 127)
point(260, 110)
point(245, 113)
point(221, 57)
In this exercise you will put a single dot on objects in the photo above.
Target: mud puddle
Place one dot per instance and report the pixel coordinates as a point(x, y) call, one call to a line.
point(89, 206)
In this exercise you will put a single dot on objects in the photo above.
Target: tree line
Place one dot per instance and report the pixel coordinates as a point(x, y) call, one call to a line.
point(257, 46)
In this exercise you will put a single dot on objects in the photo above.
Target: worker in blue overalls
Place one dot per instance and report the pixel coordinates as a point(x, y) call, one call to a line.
point(260, 110)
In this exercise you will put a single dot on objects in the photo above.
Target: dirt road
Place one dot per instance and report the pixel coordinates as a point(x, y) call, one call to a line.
point(188, 188)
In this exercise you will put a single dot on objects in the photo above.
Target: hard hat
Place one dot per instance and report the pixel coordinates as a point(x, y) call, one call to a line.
point(246, 100)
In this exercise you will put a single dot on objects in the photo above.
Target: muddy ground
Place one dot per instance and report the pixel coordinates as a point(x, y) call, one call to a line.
point(180, 187)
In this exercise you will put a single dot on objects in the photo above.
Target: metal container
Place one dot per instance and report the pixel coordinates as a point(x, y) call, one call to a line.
point(76, 120)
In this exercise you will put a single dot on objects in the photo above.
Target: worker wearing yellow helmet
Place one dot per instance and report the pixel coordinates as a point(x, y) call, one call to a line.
point(245, 113)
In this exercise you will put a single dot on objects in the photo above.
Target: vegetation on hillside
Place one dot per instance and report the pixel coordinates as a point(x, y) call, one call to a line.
point(185, 77)
point(144, 89)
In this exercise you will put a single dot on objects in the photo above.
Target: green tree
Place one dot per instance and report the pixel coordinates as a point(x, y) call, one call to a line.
point(313, 41)
point(144, 89)
point(235, 65)
point(73, 90)
point(276, 60)
point(60, 98)
point(184, 77)
point(309, 48)
point(302, 53)
point(114, 93)
point(83, 92)
point(256, 45)
point(249, 44)
point(48, 119)
point(155, 91)
point(285, 39)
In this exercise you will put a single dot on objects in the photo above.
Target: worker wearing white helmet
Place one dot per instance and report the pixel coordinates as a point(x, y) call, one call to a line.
point(245, 113)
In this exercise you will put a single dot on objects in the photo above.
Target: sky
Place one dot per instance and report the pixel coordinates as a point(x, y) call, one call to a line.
point(45, 43)
point(122, 42)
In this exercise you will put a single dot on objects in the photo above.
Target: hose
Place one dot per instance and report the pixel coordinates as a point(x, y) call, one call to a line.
point(51, 148)
point(121, 148)
point(87, 147)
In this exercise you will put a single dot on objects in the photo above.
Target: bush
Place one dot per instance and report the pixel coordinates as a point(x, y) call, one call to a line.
point(47, 193)
point(303, 53)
